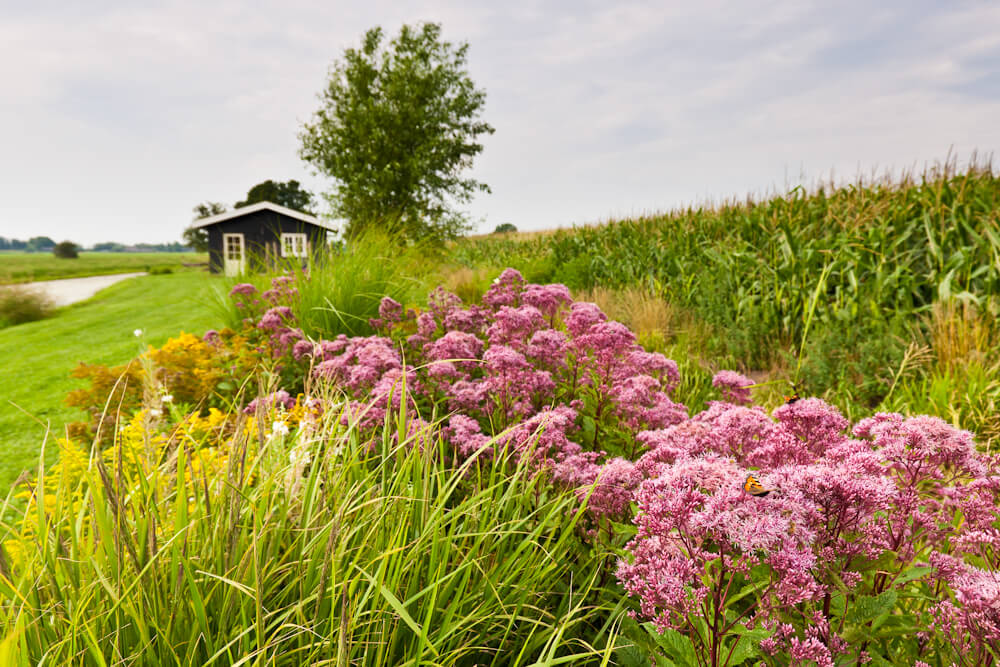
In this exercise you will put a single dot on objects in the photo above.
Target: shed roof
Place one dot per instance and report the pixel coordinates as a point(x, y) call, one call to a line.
point(261, 206)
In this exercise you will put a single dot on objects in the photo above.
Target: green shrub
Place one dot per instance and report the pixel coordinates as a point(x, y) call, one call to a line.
point(19, 305)
point(66, 250)
point(160, 270)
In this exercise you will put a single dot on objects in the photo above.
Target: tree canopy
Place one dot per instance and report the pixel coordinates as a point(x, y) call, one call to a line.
point(208, 209)
point(290, 195)
point(397, 127)
point(198, 238)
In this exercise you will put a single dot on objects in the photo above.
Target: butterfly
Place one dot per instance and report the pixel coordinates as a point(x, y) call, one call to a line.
point(753, 486)
point(795, 395)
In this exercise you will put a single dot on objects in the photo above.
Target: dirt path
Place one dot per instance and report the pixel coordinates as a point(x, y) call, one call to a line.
point(71, 290)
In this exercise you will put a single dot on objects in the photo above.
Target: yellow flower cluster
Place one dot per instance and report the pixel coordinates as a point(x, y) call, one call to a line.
point(188, 366)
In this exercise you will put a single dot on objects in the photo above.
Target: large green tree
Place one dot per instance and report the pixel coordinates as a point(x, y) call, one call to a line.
point(398, 125)
point(289, 194)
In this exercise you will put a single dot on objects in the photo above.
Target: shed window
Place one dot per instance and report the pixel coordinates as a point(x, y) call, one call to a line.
point(293, 245)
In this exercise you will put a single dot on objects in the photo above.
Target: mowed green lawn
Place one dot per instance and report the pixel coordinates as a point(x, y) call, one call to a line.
point(37, 358)
point(24, 267)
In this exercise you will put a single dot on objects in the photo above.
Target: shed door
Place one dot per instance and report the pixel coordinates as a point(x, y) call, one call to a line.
point(234, 260)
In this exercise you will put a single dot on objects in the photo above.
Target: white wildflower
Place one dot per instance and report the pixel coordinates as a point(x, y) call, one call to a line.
point(153, 412)
point(279, 429)
point(137, 333)
point(167, 398)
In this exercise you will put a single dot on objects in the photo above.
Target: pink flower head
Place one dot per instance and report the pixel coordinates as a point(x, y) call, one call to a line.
point(468, 396)
point(548, 299)
point(506, 290)
point(972, 621)
point(465, 436)
point(458, 346)
point(275, 318)
point(606, 341)
point(614, 485)
point(426, 324)
point(282, 290)
point(471, 320)
point(819, 424)
point(640, 361)
point(243, 289)
point(441, 302)
point(575, 470)
point(513, 384)
point(548, 348)
point(842, 502)
point(751, 437)
point(668, 445)
point(390, 310)
point(503, 359)
point(331, 348)
point(641, 404)
point(921, 447)
point(582, 316)
point(515, 326)
point(696, 516)
point(304, 348)
point(544, 437)
point(734, 386)
point(362, 363)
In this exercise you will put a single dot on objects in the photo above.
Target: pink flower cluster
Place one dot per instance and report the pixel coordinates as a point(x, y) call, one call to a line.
point(735, 387)
point(528, 363)
point(910, 488)
point(270, 313)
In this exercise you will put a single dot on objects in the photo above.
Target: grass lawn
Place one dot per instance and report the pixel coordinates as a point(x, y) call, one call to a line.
point(38, 357)
point(24, 267)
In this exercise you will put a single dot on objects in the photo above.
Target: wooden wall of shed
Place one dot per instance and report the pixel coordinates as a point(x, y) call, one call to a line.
point(262, 232)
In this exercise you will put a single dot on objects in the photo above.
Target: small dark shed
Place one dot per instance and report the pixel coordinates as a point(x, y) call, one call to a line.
point(262, 232)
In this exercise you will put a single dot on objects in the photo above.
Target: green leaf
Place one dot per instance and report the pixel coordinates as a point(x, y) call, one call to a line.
point(643, 647)
point(867, 608)
point(912, 573)
point(876, 658)
point(747, 644)
point(678, 646)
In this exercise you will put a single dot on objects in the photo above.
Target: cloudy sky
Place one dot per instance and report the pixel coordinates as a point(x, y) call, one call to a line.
point(118, 116)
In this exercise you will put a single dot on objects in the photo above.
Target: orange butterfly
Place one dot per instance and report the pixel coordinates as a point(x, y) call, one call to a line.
point(795, 395)
point(753, 486)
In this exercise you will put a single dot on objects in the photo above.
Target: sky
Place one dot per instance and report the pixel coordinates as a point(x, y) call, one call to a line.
point(117, 117)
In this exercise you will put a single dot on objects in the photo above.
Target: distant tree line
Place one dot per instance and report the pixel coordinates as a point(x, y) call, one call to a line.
point(45, 244)
point(34, 244)
point(110, 246)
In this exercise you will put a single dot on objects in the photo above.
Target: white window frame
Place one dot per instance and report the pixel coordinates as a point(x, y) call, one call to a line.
point(294, 245)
